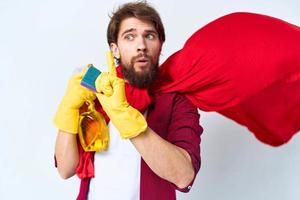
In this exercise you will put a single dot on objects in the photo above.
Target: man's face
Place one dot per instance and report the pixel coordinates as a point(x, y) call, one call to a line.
point(138, 48)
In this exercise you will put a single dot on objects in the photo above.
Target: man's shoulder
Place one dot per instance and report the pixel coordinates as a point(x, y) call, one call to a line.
point(167, 103)
point(170, 110)
point(168, 96)
point(171, 99)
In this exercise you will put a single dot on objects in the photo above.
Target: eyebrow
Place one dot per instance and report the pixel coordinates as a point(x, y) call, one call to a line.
point(134, 29)
point(151, 31)
point(128, 31)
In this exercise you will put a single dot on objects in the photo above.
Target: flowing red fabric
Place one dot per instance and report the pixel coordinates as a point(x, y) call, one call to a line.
point(245, 66)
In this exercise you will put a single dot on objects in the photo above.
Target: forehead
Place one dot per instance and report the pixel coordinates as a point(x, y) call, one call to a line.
point(136, 24)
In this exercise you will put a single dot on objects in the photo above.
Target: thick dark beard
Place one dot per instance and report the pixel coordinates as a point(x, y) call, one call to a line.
point(139, 79)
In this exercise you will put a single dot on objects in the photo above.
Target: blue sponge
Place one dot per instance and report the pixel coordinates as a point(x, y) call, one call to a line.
point(90, 77)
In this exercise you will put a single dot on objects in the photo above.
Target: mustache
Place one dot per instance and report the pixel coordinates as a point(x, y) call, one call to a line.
point(139, 56)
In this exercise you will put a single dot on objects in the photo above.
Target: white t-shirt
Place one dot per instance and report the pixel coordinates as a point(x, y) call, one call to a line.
point(117, 170)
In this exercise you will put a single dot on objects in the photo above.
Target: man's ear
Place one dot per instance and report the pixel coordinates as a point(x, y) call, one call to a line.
point(115, 50)
point(161, 46)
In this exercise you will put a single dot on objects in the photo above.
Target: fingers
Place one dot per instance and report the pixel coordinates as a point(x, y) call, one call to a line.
point(74, 81)
point(88, 95)
point(84, 69)
point(103, 84)
point(80, 72)
point(78, 76)
point(118, 84)
point(111, 63)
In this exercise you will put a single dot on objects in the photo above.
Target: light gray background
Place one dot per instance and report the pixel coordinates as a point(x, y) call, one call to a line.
point(41, 42)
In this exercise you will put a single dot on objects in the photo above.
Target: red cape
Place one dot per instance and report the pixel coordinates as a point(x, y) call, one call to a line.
point(245, 66)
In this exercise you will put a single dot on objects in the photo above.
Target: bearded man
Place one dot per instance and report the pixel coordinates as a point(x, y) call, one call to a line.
point(154, 145)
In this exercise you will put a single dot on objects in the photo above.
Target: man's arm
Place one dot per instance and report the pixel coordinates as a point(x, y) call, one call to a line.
point(168, 161)
point(66, 120)
point(165, 159)
point(66, 154)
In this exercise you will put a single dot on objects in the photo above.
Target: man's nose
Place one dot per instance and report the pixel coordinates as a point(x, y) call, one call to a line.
point(141, 45)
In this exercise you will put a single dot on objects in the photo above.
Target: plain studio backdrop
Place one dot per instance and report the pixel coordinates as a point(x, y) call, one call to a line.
point(42, 42)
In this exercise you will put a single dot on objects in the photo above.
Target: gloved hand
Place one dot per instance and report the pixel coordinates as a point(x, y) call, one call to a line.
point(67, 115)
point(111, 94)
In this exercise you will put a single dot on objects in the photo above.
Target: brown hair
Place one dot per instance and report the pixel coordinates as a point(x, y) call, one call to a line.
point(140, 10)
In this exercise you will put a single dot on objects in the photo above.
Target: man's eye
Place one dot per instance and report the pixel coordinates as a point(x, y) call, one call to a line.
point(129, 37)
point(150, 36)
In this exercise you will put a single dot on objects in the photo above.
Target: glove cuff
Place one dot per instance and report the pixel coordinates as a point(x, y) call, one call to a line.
point(132, 124)
point(67, 120)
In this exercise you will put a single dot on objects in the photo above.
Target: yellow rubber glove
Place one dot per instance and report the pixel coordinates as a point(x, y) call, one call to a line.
point(111, 94)
point(67, 115)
